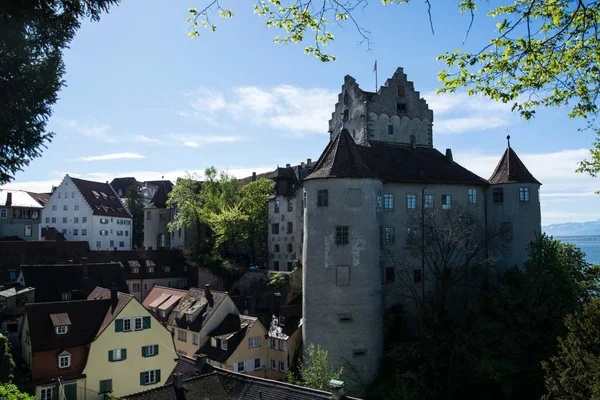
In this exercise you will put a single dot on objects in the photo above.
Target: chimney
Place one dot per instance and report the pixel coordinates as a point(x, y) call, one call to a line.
point(84, 267)
point(8, 199)
point(207, 290)
point(302, 164)
point(449, 155)
point(114, 298)
point(308, 160)
point(337, 389)
point(200, 362)
point(178, 381)
point(253, 176)
point(288, 165)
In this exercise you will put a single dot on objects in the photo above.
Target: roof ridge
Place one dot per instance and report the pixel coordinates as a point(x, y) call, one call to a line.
point(63, 302)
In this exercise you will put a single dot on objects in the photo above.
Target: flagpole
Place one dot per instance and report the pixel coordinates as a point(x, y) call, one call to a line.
point(376, 76)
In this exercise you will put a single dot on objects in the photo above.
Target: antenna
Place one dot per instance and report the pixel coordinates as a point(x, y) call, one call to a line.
point(508, 139)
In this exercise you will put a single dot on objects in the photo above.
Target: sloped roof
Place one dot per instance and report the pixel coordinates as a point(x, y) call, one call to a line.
point(101, 198)
point(123, 184)
point(511, 169)
point(219, 384)
point(122, 300)
point(52, 280)
point(159, 200)
point(342, 159)
point(233, 329)
point(85, 319)
point(21, 198)
point(194, 300)
point(185, 366)
point(174, 259)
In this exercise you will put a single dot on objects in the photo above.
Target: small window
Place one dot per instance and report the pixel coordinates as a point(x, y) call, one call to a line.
point(64, 360)
point(274, 365)
point(379, 201)
point(290, 266)
point(523, 194)
point(72, 195)
point(76, 220)
point(151, 350)
point(342, 275)
point(182, 335)
point(428, 201)
point(65, 207)
point(106, 386)
point(54, 208)
point(138, 325)
point(290, 207)
point(400, 91)
point(46, 394)
point(75, 232)
point(223, 344)
point(53, 220)
point(241, 366)
point(341, 235)
point(148, 215)
point(64, 220)
point(323, 198)
point(213, 342)
point(281, 321)
point(149, 377)
point(345, 318)
point(126, 324)
point(390, 235)
point(401, 107)
point(472, 196)
point(254, 341)
point(390, 129)
point(276, 248)
point(388, 201)
point(412, 234)
point(47, 219)
point(390, 275)
point(290, 248)
point(84, 219)
point(274, 229)
point(359, 352)
point(4, 214)
point(276, 206)
point(76, 207)
point(446, 201)
point(257, 364)
point(276, 265)
point(27, 230)
point(84, 232)
point(411, 201)
point(417, 276)
point(66, 296)
point(117, 354)
point(275, 343)
point(121, 244)
point(62, 330)
point(59, 195)
point(290, 227)
point(498, 195)
point(282, 366)
point(98, 244)
point(506, 230)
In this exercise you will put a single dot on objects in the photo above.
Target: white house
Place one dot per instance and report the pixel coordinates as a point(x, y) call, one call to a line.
point(90, 211)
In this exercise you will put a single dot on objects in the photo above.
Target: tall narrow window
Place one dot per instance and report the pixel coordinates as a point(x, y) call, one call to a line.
point(346, 114)
point(523, 194)
point(388, 201)
point(472, 196)
point(290, 227)
point(379, 201)
point(446, 201)
point(390, 129)
point(390, 235)
point(276, 205)
point(346, 97)
point(323, 198)
point(341, 235)
point(498, 195)
point(274, 229)
point(417, 276)
point(428, 201)
point(412, 234)
point(290, 205)
point(411, 201)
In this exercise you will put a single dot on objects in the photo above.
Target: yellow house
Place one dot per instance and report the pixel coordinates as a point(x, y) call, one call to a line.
point(238, 344)
point(131, 352)
point(284, 342)
point(197, 313)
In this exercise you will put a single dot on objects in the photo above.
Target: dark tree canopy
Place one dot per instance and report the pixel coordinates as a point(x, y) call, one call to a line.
point(32, 37)
point(135, 204)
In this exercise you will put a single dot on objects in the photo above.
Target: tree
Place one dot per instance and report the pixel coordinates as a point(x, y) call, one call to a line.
point(185, 199)
point(7, 365)
point(11, 392)
point(255, 204)
point(32, 37)
point(573, 372)
point(544, 53)
point(315, 372)
point(135, 204)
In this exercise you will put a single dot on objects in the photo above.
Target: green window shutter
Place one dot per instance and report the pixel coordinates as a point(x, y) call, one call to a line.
point(118, 325)
point(144, 354)
point(110, 356)
point(124, 354)
point(55, 392)
point(142, 376)
point(155, 349)
point(157, 375)
point(146, 322)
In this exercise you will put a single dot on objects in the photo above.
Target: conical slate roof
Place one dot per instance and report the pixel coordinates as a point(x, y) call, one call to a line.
point(159, 200)
point(341, 159)
point(511, 169)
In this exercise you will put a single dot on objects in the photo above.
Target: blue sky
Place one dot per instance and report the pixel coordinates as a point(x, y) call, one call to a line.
point(143, 99)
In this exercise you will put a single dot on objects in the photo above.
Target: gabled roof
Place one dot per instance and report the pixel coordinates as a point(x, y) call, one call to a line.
point(219, 384)
point(159, 200)
point(511, 169)
point(101, 198)
point(233, 329)
point(21, 198)
point(105, 294)
point(196, 303)
point(52, 280)
point(342, 159)
point(161, 258)
point(85, 319)
point(123, 184)
point(163, 299)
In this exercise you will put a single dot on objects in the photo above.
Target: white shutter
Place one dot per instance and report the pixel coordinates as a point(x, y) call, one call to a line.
point(249, 365)
point(262, 362)
point(235, 367)
point(283, 345)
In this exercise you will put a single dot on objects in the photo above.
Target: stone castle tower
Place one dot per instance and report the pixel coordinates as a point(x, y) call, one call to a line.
point(378, 172)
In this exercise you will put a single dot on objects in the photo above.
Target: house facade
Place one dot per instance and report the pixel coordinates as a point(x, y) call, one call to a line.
point(90, 211)
point(20, 214)
point(156, 219)
point(365, 203)
point(284, 345)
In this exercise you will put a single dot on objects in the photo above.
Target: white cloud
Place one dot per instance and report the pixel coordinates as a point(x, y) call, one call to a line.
point(460, 113)
point(285, 107)
point(89, 127)
point(145, 139)
point(112, 156)
point(201, 140)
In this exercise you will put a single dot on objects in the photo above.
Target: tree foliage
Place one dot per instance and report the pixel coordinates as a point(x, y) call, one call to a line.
point(7, 365)
point(573, 372)
point(315, 372)
point(32, 37)
point(11, 392)
point(135, 204)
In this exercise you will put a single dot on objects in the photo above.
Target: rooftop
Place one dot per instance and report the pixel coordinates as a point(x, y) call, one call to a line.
point(101, 198)
point(21, 198)
point(511, 169)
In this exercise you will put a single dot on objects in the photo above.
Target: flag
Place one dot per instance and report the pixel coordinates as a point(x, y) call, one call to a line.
point(375, 67)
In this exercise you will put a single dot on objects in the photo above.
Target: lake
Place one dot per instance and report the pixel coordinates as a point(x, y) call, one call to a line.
point(590, 245)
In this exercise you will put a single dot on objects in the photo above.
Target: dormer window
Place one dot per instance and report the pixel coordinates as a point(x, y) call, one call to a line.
point(64, 359)
point(281, 321)
point(167, 268)
point(135, 270)
point(150, 270)
point(62, 330)
point(223, 344)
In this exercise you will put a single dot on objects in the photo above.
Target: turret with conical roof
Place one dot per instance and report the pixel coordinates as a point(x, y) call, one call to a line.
point(157, 217)
point(513, 208)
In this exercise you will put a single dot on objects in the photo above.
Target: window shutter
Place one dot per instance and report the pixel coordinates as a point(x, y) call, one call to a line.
point(155, 349)
point(110, 356)
point(146, 322)
point(283, 345)
point(142, 376)
point(157, 375)
point(235, 367)
point(144, 354)
point(249, 365)
point(118, 325)
point(124, 354)
point(262, 362)
point(55, 392)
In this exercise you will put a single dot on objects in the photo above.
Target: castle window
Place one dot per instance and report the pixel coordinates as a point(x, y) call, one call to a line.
point(388, 201)
point(346, 98)
point(290, 205)
point(277, 206)
point(472, 196)
point(342, 275)
point(446, 201)
point(412, 234)
point(498, 195)
point(304, 200)
point(411, 201)
point(523, 194)
point(400, 91)
point(341, 235)
point(417, 276)
point(401, 107)
point(359, 352)
point(65, 207)
point(506, 230)
point(290, 227)
point(276, 248)
point(390, 129)
point(64, 220)
point(148, 215)
point(345, 317)
point(379, 201)
point(274, 229)
point(428, 201)
point(390, 275)
point(322, 198)
point(346, 114)
point(162, 215)
point(390, 235)
point(290, 248)
point(276, 265)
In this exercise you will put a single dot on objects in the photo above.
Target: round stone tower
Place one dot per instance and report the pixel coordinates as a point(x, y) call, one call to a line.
point(343, 291)
point(513, 209)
